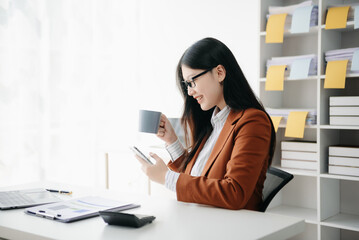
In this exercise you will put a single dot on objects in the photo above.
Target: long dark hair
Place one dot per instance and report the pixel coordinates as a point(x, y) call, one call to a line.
point(238, 95)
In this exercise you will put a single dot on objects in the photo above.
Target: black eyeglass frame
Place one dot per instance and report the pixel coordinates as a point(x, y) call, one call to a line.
point(192, 84)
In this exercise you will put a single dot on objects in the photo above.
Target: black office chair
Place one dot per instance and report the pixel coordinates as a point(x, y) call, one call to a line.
point(276, 179)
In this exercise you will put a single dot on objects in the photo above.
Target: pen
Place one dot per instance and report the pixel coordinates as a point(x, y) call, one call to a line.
point(59, 191)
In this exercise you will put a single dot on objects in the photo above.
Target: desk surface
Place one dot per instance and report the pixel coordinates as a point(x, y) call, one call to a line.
point(174, 220)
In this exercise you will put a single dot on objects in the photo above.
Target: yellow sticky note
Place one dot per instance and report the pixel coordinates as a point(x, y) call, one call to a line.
point(296, 124)
point(335, 74)
point(337, 17)
point(275, 28)
point(276, 121)
point(275, 78)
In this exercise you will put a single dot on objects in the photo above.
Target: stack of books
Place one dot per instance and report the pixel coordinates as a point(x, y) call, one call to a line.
point(284, 112)
point(344, 160)
point(272, 10)
point(299, 155)
point(342, 54)
point(288, 61)
point(344, 110)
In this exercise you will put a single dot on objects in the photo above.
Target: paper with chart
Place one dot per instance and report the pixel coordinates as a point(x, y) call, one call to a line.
point(75, 209)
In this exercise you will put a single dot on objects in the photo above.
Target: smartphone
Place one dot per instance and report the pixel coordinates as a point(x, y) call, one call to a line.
point(140, 154)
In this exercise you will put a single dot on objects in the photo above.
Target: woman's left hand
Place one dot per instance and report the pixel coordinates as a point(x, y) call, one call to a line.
point(156, 172)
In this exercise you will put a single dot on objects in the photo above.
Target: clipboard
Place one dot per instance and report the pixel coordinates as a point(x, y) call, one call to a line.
point(78, 208)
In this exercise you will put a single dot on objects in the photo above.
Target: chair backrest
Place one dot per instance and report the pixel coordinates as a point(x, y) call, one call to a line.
point(276, 179)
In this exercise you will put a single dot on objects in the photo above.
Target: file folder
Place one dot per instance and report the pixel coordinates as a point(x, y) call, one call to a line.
point(296, 124)
point(275, 28)
point(337, 17)
point(335, 74)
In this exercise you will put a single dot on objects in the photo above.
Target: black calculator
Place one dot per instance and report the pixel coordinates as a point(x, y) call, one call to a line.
point(126, 219)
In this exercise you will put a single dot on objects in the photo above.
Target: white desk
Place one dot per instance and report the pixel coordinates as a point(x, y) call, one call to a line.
point(174, 220)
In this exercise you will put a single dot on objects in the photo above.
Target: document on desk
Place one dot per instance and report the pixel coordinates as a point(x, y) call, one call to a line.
point(77, 209)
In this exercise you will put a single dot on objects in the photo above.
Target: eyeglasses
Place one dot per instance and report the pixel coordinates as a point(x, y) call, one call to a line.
point(191, 83)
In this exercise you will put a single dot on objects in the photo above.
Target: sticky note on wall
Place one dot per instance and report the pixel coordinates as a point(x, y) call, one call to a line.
point(276, 120)
point(335, 74)
point(337, 17)
point(296, 124)
point(275, 28)
point(275, 78)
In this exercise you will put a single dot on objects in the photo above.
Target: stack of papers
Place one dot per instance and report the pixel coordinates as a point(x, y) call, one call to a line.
point(284, 112)
point(289, 61)
point(291, 9)
point(343, 54)
point(352, 11)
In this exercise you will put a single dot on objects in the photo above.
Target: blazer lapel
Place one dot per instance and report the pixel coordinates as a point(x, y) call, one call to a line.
point(222, 139)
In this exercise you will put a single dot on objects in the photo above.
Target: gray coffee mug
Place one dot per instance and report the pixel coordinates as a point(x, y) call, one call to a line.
point(149, 121)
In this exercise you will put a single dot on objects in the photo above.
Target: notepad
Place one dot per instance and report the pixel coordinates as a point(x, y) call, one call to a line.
point(77, 209)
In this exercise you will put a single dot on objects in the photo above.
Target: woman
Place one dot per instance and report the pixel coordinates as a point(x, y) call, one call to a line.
point(230, 136)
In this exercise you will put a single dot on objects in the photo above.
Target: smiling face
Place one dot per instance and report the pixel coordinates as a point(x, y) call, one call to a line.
point(208, 90)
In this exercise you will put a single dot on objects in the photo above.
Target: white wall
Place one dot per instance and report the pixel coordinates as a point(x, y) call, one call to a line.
point(74, 72)
point(169, 27)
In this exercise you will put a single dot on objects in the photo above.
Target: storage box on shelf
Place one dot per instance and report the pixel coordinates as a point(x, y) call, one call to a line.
point(344, 110)
point(321, 198)
point(299, 155)
point(344, 160)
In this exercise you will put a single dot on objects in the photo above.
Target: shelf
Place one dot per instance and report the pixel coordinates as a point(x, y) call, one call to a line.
point(299, 172)
point(338, 127)
point(343, 221)
point(288, 79)
point(350, 75)
point(350, 27)
point(314, 194)
point(312, 30)
point(340, 177)
point(310, 215)
point(306, 126)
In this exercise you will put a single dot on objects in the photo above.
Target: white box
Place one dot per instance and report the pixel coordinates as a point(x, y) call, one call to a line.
point(344, 101)
point(351, 171)
point(305, 156)
point(307, 165)
point(347, 121)
point(343, 111)
point(299, 146)
point(344, 161)
point(343, 151)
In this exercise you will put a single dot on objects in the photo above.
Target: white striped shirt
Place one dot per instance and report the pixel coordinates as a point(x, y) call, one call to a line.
point(176, 149)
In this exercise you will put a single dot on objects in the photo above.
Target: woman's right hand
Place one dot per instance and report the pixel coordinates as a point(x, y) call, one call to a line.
point(166, 131)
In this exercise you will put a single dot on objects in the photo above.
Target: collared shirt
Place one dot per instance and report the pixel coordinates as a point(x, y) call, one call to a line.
point(176, 149)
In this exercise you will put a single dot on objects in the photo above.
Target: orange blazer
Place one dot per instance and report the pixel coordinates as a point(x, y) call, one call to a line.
point(234, 174)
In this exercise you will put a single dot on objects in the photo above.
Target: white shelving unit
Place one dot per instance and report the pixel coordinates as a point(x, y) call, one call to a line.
point(329, 203)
